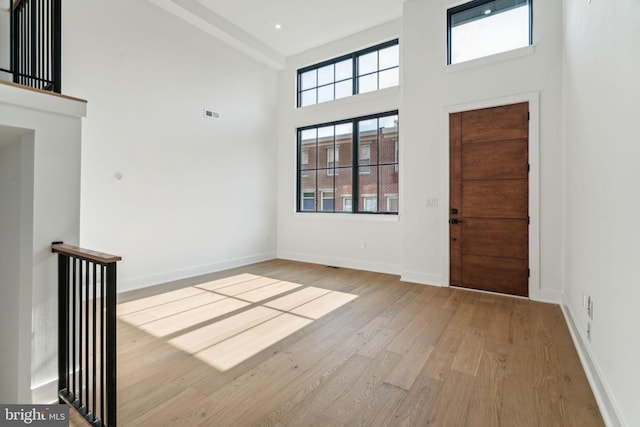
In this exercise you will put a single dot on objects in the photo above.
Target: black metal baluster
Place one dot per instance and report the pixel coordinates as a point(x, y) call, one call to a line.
point(78, 324)
point(22, 31)
point(47, 43)
point(86, 335)
point(63, 322)
point(12, 40)
point(95, 356)
point(56, 56)
point(41, 51)
point(80, 335)
point(111, 344)
point(102, 338)
point(73, 334)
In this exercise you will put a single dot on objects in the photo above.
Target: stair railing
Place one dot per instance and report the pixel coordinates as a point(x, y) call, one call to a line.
point(87, 332)
point(35, 44)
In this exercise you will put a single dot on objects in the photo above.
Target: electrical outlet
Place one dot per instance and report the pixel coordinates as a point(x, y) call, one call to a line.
point(363, 245)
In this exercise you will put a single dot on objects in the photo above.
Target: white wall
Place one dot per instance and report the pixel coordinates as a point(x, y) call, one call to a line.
point(602, 148)
point(334, 239)
point(10, 254)
point(49, 175)
point(430, 88)
point(416, 245)
point(196, 195)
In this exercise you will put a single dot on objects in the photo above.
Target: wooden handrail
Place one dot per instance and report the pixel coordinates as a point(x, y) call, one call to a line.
point(45, 92)
point(98, 257)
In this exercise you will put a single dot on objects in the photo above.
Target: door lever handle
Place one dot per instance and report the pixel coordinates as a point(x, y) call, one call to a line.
point(455, 221)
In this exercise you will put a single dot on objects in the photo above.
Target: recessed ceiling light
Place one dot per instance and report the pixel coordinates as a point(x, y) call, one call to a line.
point(278, 26)
point(487, 11)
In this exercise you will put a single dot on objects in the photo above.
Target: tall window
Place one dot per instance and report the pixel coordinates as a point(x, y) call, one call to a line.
point(349, 166)
point(367, 70)
point(484, 27)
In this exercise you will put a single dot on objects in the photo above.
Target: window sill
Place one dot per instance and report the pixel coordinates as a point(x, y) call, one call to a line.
point(348, 216)
point(491, 59)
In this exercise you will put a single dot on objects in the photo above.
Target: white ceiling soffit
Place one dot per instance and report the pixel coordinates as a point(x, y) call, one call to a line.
point(199, 16)
point(250, 25)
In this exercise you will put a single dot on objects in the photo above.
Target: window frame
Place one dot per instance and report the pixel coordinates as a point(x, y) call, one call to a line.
point(364, 168)
point(335, 155)
point(473, 4)
point(306, 197)
point(355, 196)
point(354, 72)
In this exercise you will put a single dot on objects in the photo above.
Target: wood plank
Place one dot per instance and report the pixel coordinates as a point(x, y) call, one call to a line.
point(356, 400)
point(418, 404)
point(496, 124)
point(147, 303)
point(75, 251)
point(44, 92)
point(378, 342)
point(496, 238)
point(487, 395)
point(495, 160)
point(455, 196)
point(496, 274)
point(491, 357)
point(407, 370)
point(518, 390)
point(450, 408)
point(182, 305)
point(506, 199)
point(381, 407)
point(171, 413)
point(470, 352)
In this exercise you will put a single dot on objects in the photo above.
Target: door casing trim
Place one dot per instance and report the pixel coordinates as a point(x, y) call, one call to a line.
point(533, 98)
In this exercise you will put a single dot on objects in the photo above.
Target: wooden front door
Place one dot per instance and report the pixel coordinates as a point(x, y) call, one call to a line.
point(489, 194)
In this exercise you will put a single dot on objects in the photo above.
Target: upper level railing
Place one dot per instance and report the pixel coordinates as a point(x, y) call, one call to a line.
point(35, 44)
point(87, 332)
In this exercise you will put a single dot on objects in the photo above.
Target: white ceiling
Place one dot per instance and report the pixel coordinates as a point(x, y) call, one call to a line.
point(250, 24)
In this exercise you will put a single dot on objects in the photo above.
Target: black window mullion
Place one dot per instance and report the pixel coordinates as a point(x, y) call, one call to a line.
point(355, 190)
point(355, 89)
point(354, 74)
point(333, 178)
point(378, 152)
point(316, 192)
point(299, 172)
point(354, 166)
point(530, 23)
point(475, 4)
point(378, 69)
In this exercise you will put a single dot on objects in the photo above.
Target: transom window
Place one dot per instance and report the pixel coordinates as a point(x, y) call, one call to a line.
point(483, 27)
point(349, 166)
point(367, 70)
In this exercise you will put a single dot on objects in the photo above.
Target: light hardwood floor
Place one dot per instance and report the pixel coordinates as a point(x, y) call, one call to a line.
point(282, 343)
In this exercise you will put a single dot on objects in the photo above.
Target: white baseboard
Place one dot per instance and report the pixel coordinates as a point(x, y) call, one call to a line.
point(545, 295)
point(598, 386)
point(377, 267)
point(45, 393)
point(421, 278)
point(169, 276)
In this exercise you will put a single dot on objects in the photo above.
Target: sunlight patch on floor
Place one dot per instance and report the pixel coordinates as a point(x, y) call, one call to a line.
point(225, 322)
point(237, 349)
